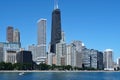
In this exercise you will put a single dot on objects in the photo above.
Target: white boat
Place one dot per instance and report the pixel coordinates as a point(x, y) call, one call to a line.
point(21, 73)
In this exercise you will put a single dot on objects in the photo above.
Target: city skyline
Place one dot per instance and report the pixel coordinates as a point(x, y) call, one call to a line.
point(97, 22)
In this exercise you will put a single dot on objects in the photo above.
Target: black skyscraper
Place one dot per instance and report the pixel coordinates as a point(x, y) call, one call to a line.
point(56, 28)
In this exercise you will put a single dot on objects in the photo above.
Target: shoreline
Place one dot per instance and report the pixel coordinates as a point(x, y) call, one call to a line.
point(50, 71)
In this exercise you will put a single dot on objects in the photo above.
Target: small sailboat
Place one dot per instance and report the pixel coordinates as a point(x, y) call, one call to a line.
point(21, 73)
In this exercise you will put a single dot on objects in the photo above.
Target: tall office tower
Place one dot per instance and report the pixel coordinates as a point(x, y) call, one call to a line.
point(56, 27)
point(16, 36)
point(10, 34)
point(108, 59)
point(42, 37)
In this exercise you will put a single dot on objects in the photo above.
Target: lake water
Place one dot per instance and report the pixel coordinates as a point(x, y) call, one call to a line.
point(61, 76)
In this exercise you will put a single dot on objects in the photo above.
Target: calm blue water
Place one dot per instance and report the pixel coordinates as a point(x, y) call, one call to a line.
point(62, 76)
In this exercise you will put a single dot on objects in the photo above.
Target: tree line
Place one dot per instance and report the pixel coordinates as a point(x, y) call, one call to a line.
point(42, 66)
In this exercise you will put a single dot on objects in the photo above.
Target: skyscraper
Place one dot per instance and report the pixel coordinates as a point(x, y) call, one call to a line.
point(108, 59)
point(42, 32)
point(56, 28)
point(42, 37)
point(10, 34)
point(16, 36)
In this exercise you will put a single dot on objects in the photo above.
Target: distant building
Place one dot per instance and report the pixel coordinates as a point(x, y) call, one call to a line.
point(68, 55)
point(1, 54)
point(42, 32)
point(79, 46)
point(93, 58)
point(10, 34)
point(61, 50)
point(74, 54)
point(39, 50)
point(16, 36)
point(108, 59)
point(63, 60)
point(100, 60)
point(86, 58)
point(56, 29)
point(41, 46)
point(11, 56)
point(33, 49)
point(9, 51)
point(36, 56)
point(54, 60)
point(79, 59)
point(24, 57)
point(50, 59)
point(118, 62)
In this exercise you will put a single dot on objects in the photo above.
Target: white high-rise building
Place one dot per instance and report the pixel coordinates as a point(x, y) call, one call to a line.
point(39, 50)
point(71, 55)
point(42, 38)
point(61, 51)
point(108, 59)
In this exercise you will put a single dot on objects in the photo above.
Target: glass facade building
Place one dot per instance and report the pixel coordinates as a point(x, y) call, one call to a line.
point(56, 29)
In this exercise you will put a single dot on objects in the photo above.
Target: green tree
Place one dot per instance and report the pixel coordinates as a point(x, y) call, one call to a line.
point(2, 65)
point(17, 66)
point(43, 66)
point(69, 67)
point(53, 67)
point(8, 66)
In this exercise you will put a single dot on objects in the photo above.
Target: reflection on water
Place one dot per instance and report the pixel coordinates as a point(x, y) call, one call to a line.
point(61, 76)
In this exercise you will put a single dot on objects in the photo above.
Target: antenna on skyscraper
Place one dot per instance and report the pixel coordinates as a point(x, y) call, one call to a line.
point(55, 4)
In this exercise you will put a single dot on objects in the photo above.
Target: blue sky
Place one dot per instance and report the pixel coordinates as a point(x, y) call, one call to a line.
point(94, 22)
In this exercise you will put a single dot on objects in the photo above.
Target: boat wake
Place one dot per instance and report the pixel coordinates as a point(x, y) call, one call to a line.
point(21, 73)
